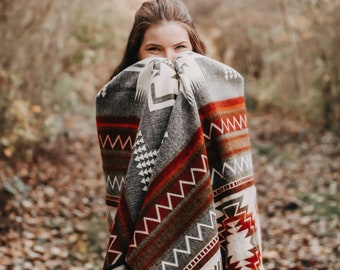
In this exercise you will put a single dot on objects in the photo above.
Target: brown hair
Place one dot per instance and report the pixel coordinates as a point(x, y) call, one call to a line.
point(154, 12)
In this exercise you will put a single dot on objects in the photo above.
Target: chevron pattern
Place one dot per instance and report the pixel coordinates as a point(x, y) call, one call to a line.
point(117, 142)
point(173, 200)
point(145, 160)
point(188, 239)
point(157, 83)
point(229, 124)
point(237, 165)
point(112, 251)
point(114, 183)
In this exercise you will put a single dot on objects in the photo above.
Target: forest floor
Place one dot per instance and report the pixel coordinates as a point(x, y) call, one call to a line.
point(52, 208)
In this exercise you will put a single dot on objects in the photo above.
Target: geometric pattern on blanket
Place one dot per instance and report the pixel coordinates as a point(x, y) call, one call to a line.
point(178, 168)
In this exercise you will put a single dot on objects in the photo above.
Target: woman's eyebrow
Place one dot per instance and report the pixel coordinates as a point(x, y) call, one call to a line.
point(182, 42)
point(152, 44)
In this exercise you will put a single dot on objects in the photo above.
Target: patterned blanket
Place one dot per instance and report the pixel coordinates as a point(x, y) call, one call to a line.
point(178, 167)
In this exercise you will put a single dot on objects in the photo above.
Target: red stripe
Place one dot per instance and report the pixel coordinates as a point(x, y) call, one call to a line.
point(117, 125)
point(112, 200)
point(121, 119)
point(124, 224)
point(117, 121)
point(234, 187)
point(227, 103)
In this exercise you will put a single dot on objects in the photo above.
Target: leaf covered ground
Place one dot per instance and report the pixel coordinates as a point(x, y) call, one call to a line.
point(53, 214)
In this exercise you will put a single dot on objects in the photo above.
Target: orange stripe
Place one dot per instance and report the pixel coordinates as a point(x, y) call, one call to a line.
point(235, 143)
point(236, 151)
point(220, 111)
point(227, 103)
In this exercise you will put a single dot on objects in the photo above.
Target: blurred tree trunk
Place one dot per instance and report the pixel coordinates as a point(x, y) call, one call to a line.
point(326, 21)
point(295, 56)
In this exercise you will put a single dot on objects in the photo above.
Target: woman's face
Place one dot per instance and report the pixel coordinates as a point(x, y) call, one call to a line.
point(166, 39)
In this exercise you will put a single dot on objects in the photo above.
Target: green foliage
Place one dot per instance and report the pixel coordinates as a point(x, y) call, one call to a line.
point(78, 56)
point(322, 205)
point(93, 35)
point(17, 118)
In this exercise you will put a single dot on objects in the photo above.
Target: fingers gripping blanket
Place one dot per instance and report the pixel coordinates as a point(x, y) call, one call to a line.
point(178, 169)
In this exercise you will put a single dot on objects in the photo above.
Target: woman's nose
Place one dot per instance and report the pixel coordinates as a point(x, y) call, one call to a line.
point(170, 54)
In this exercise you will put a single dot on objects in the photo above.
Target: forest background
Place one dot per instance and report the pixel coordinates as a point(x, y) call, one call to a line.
point(56, 55)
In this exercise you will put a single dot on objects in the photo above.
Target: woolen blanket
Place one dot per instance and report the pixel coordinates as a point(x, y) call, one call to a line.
point(178, 168)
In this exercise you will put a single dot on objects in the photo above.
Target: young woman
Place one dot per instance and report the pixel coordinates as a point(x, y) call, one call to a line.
point(176, 155)
point(153, 14)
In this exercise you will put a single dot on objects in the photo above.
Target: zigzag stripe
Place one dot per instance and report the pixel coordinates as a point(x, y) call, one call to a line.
point(239, 165)
point(230, 125)
point(235, 166)
point(177, 251)
point(113, 251)
point(170, 205)
point(115, 182)
point(117, 141)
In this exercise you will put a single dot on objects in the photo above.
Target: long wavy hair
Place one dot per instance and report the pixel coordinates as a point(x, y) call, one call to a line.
point(154, 12)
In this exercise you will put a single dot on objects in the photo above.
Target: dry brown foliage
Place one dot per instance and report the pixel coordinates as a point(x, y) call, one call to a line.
point(55, 55)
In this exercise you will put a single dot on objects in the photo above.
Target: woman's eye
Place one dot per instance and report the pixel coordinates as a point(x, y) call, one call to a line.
point(179, 47)
point(153, 49)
